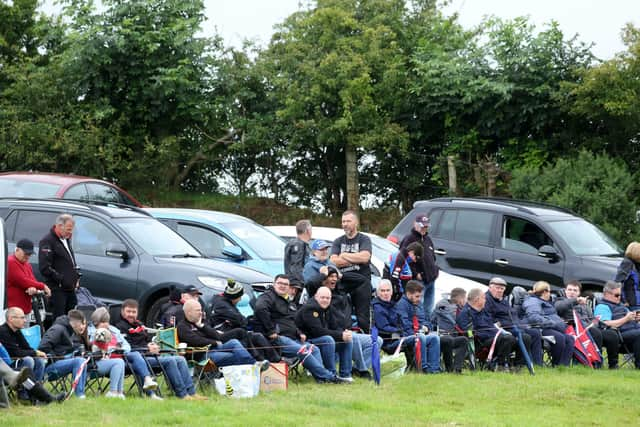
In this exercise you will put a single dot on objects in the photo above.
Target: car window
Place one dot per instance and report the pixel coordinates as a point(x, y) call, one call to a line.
point(207, 241)
point(155, 238)
point(523, 236)
point(34, 225)
point(585, 239)
point(266, 244)
point(474, 227)
point(447, 226)
point(19, 188)
point(103, 193)
point(77, 192)
point(91, 237)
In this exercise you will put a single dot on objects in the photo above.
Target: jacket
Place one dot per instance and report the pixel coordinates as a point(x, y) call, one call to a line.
point(628, 275)
point(311, 274)
point(341, 307)
point(226, 316)
point(15, 343)
point(427, 267)
point(61, 340)
point(57, 265)
point(499, 310)
point(314, 321)
point(401, 269)
point(565, 306)
point(19, 278)
point(386, 319)
point(406, 311)
point(198, 336)
point(296, 254)
point(274, 315)
point(135, 334)
point(172, 314)
point(542, 314)
point(479, 321)
point(618, 311)
point(443, 317)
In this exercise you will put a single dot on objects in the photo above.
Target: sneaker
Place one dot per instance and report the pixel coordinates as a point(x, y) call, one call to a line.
point(364, 374)
point(149, 384)
point(345, 379)
point(154, 396)
point(338, 380)
point(60, 397)
point(112, 394)
point(81, 396)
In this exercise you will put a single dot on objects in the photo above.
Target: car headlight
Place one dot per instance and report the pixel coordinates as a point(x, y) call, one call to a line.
point(215, 283)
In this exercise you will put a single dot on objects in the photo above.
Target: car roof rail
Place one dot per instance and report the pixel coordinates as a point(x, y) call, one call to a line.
point(519, 204)
point(89, 204)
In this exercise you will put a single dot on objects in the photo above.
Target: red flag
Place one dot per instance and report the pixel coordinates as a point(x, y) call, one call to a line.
point(417, 351)
point(585, 349)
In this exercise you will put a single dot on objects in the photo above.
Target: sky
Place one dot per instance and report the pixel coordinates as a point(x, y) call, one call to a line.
point(597, 21)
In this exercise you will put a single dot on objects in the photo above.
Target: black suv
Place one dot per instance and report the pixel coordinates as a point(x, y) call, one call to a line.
point(521, 241)
point(125, 253)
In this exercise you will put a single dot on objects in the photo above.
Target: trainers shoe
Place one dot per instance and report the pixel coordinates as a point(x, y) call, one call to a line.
point(338, 380)
point(345, 379)
point(81, 396)
point(149, 384)
point(112, 394)
point(121, 396)
point(154, 396)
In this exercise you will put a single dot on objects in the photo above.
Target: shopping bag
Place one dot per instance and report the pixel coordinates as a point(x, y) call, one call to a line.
point(275, 378)
point(239, 381)
point(394, 365)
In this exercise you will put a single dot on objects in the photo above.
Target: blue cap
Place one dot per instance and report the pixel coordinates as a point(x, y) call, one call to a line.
point(318, 245)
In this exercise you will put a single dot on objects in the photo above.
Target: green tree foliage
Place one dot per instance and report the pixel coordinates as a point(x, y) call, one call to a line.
point(597, 187)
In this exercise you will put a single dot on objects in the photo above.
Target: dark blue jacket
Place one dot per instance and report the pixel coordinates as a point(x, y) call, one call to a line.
point(542, 314)
point(499, 310)
point(406, 311)
point(386, 318)
point(480, 321)
point(618, 311)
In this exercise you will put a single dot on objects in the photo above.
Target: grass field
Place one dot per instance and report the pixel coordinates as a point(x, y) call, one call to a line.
point(553, 397)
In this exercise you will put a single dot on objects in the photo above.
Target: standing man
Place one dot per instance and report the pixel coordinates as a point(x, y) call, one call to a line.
point(351, 254)
point(297, 251)
point(58, 265)
point(21, 283)
point(427, 270)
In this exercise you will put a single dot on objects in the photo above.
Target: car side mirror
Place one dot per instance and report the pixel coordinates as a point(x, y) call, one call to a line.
point(234, 252)
point(117, 250)
point(548, 251)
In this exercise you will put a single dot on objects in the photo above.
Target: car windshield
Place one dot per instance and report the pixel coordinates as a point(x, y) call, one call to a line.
point(19, 188)
point(382, 248)
point(263, 242)
point(156, 238)
point(585, 239)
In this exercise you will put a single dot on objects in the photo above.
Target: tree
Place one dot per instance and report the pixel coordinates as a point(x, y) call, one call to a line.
point(597, 187)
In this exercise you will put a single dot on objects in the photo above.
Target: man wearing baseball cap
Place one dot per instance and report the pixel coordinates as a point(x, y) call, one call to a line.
point(21, 283)
point(172, 313)
point(317, 267)
point(426, 269)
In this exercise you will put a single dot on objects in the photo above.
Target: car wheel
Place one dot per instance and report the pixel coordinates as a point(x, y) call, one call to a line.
point(154, 313)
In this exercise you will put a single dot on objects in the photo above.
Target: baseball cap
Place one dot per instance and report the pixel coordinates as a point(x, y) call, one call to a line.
point(26, 245)
point(190, 289)
point(423, 220)
point(318, 245)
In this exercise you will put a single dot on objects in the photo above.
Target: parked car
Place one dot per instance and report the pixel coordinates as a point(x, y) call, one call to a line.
point(227, 237)
point(126, 253)
point(60, 186)
point(521, 241)
point(382, 250)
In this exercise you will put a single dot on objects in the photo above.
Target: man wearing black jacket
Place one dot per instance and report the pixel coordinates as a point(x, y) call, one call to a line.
point(18, 347)
point(426, 268)
point(58, 265)
point(317, 320)
point(297, 251)
point(195, 333)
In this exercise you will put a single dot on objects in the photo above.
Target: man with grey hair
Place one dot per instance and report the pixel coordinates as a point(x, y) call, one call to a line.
point(616, 315)
point(297, 252)
point(58, 265)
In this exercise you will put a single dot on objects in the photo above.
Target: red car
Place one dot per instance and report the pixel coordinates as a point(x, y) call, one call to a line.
point(54, 185)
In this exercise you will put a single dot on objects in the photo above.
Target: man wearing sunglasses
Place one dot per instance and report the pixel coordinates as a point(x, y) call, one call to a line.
point(616, 315)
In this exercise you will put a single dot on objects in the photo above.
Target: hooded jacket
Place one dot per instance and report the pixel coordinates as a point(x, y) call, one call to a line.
point(427, 267)
point(61, 340)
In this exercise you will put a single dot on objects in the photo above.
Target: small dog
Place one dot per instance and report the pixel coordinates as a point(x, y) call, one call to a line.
point(101, 341)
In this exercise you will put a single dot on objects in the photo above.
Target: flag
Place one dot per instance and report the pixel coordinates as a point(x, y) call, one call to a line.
point(585, 350)
point(76, 379)
point(375, 355)
point(417, 351)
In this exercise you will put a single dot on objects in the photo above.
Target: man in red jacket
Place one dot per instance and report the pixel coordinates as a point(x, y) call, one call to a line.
point(21, 283)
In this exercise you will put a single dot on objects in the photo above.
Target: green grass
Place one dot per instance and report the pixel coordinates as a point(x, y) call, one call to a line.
point(575, 396)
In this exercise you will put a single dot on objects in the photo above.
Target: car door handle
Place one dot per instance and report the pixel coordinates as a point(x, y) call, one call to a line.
point(439, 251)
point(501, 262)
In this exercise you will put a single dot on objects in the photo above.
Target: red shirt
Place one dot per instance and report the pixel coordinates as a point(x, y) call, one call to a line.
point(19, 278)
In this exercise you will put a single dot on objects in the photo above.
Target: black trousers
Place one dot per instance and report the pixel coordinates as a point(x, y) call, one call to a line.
point(61, 302)
point(359, 289)
point(504, 346)
point(454, 350)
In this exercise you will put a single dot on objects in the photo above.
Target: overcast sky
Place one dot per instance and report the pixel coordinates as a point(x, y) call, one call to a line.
point(598, 21)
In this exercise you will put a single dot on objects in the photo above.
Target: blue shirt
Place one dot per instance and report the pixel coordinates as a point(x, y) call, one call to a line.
point(604, 312)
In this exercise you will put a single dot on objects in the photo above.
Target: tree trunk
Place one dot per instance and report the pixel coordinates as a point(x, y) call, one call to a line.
point(491, 169)
point(453, 177)
point(353, 193)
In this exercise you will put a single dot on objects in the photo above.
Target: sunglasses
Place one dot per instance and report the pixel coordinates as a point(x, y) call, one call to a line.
point(616, 295)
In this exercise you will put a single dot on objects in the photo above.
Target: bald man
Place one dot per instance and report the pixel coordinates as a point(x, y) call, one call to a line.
point(18, 347)
point(317, 321)
point(195, 333)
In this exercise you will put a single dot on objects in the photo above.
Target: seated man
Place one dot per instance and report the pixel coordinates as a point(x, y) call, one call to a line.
point(226, 317)
point(385, 316)
point(316, 320)
point(416, 326)
point(572, 300)
point(195, 333)
point(23, 380)
point(175, 366)
point(616, 315)
point(275, 319)
point(497, 305)
point(100, 318)
point(474, 317)
point(451, 339)
point(172, 312)
point(16, 344)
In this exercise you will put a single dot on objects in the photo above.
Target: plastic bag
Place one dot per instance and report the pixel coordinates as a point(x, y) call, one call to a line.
point(394, 365)
point(239, 381)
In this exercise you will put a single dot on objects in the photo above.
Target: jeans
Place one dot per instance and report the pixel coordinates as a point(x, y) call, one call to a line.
point(329, 348)
point(312, 362)
point(362, 351)
point(138, 364)
point(177, 372)
point(115, 369)
point(230, 353)
point(36, 364)
point(429, 351)
point(65, 367)
point(428, 298)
